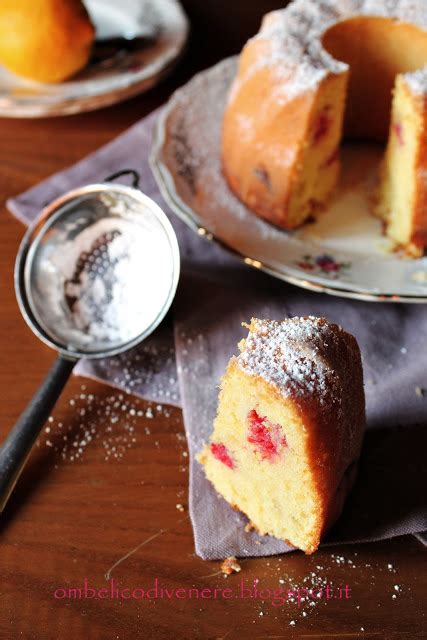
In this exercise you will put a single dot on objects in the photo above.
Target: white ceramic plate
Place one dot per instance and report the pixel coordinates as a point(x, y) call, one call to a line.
point(111, 80)
point(343, 253)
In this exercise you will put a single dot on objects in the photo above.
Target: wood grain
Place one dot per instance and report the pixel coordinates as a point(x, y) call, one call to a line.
point(74, 519)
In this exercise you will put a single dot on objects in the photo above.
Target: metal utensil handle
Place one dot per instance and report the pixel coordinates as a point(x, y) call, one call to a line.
point(125, 172)
point(18, 444)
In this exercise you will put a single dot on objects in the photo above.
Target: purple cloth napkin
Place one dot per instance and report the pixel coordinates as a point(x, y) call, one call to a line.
point(216, 293)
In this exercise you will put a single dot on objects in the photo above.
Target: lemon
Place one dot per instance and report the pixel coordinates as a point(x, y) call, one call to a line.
point(45, 40)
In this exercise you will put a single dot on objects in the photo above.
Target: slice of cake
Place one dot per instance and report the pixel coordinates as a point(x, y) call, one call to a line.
point(402, 198)
point(289, 428)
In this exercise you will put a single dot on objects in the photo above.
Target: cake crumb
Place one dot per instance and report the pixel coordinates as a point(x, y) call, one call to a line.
point(420, 392)
point(230, 565)
point(180, 507)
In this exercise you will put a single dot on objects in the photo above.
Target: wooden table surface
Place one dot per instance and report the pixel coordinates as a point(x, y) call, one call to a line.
point(107, 508)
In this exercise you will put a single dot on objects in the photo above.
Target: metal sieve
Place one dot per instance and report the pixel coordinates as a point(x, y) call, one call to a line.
point(94, 276)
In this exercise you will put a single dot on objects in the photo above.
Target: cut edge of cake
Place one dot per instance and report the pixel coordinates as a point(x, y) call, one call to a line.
point(401, 200)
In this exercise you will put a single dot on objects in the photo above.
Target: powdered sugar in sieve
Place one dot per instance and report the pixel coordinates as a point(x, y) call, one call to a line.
point(104, 271)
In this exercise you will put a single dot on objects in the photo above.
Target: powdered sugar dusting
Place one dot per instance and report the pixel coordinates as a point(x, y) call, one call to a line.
point(105, 426)
point(148, 370)
point(290, 40)
point(417, 81)
point(291, 355)
point(100, 293)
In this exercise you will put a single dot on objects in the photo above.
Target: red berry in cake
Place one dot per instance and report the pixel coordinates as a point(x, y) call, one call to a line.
point(220, 452)
point(398, 131)
point(332, 158)
point(266, 437)
point(321, 126)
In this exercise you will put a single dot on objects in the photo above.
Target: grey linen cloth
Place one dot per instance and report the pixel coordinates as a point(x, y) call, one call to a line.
point(183, 361)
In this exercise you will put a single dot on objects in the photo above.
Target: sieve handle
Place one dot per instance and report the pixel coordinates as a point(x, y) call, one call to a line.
point(18, 444)
point(125, 172)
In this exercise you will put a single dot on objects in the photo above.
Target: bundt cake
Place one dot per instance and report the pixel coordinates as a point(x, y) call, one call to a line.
point(289, 428)
point(318, 70)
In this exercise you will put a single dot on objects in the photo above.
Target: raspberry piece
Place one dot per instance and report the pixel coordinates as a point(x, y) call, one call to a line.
point(332, 158)
point(321, 125)
point(220, 452)
point(398, 131)
point(266, 437)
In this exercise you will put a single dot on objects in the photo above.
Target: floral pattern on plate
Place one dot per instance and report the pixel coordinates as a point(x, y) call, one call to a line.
point(324, 264)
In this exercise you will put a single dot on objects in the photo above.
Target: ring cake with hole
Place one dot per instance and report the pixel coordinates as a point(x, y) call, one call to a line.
point(289, 428)
point(319, 70)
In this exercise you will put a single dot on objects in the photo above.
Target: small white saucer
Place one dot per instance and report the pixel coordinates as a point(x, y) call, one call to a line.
point(111, 80)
